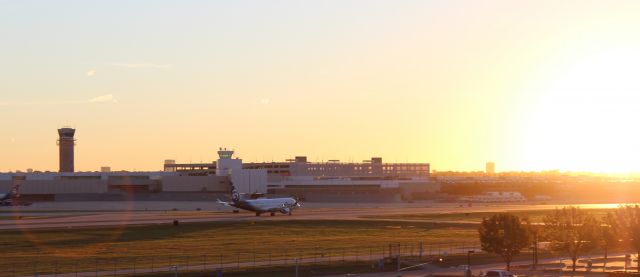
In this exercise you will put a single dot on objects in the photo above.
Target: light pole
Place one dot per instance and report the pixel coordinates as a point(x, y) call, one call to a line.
point(398, 268)
point(468, 272)
point(175, 270)
point(398, 261)
point(535, 249)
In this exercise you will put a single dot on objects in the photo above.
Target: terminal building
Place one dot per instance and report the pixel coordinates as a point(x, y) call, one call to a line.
point(370, 180)
point(367, 181)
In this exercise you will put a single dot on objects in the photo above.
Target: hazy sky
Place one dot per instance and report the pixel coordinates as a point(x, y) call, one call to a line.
point(529, 85)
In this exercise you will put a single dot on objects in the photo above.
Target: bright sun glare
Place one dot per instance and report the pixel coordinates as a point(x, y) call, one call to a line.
point(586, 118)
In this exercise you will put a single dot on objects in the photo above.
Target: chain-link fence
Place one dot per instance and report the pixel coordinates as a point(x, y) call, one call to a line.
point(232, 261)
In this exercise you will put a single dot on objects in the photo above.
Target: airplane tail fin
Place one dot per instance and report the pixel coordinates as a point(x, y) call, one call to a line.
point(15, 191)
point(235, 196)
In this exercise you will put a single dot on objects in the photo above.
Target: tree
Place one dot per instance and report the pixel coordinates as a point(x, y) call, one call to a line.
point(608, 236)
point(571, 230)
point(627, 219)
point(534, 235)
point(503, 234)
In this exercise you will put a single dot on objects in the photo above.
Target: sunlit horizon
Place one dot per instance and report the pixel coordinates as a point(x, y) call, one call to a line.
point(531, 86)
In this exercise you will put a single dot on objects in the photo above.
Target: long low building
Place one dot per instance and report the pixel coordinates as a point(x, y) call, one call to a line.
point(78, 182)
point(370, 180)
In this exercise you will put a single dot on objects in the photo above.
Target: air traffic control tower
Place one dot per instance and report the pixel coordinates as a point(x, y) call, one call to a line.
point(66, 142)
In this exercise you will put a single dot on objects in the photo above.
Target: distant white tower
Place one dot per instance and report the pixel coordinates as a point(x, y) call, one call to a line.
point(490, 168)
point(226, 164)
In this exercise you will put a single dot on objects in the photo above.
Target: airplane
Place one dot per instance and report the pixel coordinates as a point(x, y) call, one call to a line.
point(261, 205)
point(12, 198)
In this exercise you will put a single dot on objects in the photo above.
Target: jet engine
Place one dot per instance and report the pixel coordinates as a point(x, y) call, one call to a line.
point(285, 210)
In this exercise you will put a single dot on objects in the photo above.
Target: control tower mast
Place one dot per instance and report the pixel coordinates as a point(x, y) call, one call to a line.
point(66, 143)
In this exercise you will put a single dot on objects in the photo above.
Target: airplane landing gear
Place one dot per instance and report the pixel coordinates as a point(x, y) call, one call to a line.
point(273, 214)
point(257, 214)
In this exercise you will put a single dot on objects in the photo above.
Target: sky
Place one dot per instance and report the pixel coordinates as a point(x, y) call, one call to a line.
point(529, 85)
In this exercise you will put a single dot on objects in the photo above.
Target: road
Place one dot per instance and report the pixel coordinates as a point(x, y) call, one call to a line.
point(520, 268)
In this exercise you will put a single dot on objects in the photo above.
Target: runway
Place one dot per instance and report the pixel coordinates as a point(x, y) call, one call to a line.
point(91, 214)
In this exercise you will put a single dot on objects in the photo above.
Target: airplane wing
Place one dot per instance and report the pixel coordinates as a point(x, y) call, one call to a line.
point(225, 203)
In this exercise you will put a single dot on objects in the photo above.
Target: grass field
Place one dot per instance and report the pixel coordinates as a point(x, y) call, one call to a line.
point(533, 215)
point(26, 217)
point(243, 243)
point(226, 242)
point(283, 271)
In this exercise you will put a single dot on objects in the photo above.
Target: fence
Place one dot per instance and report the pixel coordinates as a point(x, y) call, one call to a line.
point(228, 261)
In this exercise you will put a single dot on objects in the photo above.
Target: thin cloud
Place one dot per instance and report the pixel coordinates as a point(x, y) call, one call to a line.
point(91, 73)
point(265, 101)
point(142, 65)
point(107, 98)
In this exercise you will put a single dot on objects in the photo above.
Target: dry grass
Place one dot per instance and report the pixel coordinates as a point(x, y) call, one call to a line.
point(226, 242)
point(533, 215)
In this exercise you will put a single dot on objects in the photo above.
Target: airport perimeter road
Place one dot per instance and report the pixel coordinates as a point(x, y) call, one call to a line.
point(519, 268)
point(83, 214)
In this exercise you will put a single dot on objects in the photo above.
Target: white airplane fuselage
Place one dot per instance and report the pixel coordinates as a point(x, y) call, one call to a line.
point(12, 198)
point(283, 205)
point(266, 205)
